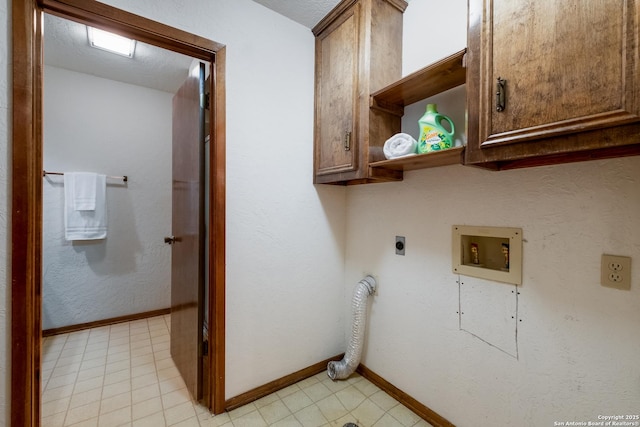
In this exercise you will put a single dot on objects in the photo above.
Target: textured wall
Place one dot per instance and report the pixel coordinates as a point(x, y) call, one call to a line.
point(285, 238)
point(98, 125)
point(578, 342)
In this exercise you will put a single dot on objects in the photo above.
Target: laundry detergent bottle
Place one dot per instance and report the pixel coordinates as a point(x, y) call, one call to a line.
point(434, 136)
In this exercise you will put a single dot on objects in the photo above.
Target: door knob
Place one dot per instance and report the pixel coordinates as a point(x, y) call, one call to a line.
point(170, 240)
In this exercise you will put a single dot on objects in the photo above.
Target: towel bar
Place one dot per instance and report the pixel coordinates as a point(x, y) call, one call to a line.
point(124, 178)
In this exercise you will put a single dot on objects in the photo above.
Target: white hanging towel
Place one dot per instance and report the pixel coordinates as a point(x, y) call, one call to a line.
point(82, 192)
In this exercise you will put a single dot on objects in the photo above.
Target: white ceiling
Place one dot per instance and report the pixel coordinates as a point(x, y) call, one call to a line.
point(66, 46)
point(305, 12)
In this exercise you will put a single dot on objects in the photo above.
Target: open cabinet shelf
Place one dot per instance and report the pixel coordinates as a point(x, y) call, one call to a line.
point(428, 81)
point(424, 83)
point(451, 156)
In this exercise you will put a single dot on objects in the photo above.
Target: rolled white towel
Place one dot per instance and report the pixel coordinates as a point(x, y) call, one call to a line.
point(399, 145)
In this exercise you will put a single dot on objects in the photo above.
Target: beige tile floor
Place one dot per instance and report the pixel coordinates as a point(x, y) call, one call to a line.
point(123, 375)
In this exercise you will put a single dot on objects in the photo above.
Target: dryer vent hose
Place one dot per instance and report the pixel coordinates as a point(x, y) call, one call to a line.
point(347, 366)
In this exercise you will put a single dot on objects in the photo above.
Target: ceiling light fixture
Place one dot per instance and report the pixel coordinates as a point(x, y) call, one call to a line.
point(111, 42)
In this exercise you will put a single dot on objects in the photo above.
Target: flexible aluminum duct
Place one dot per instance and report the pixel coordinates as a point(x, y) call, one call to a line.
point(342, 369)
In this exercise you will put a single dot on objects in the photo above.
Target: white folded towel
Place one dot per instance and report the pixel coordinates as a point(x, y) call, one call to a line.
point(400, 145)
point(80, 222)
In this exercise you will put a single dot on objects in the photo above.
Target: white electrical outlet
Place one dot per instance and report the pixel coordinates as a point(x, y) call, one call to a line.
point(615, 272)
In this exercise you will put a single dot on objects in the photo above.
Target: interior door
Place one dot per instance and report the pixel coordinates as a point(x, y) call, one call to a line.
point(187, 255)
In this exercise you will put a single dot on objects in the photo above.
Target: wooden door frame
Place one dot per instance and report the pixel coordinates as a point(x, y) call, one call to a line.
point(26, 185)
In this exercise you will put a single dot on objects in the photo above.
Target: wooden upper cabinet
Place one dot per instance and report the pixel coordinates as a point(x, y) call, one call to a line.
point(570, 81)
point(336, 95)
point(358, 51)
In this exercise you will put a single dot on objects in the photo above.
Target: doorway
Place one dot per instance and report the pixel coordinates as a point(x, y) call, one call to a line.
point(27, 187)
point(107, 114)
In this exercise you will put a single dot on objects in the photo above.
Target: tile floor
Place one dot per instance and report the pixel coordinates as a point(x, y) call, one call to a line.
point(123, 375)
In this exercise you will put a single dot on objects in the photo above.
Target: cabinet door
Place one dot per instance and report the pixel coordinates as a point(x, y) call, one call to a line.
point(567, 66)
point(336, 142)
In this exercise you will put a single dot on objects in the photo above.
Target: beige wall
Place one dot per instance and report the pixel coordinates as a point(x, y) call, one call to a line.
point(285, 238)
point(577, 344)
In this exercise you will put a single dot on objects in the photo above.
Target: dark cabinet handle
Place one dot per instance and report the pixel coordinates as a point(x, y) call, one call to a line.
point(170, 240)
point(500, 94)
point(347, 141)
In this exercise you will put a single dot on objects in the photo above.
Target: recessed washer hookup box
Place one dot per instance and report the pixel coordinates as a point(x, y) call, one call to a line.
point(493, 253)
